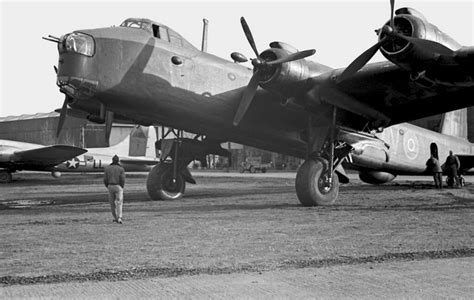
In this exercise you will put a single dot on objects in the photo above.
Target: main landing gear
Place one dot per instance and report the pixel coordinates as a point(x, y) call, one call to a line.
point(167, 180)
point(314, 186)
point(318, 178)
point(163, 184)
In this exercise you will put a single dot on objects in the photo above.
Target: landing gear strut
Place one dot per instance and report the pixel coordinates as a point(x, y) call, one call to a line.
point(316, 181)
point(167, 180)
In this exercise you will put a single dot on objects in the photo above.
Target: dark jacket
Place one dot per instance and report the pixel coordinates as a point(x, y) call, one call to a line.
point(114, 174)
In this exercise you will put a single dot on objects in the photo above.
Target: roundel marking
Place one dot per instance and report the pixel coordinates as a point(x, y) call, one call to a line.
point(411, 145)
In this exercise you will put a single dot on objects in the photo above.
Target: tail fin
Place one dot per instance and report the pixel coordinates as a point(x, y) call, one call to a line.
point(151, 142)
point(454, 123)
point(121, 149)
point(142, 141)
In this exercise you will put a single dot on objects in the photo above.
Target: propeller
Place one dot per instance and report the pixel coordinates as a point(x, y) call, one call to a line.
point(247, 98)
point(62, 117)
point(391, 34)
point(261, 67)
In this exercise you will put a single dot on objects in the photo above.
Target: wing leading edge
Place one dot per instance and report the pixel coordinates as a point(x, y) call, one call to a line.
point(46, 156)
point(385, 93)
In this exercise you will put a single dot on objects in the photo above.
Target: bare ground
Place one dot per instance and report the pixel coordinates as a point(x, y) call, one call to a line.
point(60, 231)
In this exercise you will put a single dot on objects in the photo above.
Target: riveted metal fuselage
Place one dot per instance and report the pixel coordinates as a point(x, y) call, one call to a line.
point(135, 75)
point(148, 80)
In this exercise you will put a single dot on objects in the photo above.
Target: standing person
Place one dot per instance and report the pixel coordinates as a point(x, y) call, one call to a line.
point(433, 166)
point(114, 181)
point(452, 166)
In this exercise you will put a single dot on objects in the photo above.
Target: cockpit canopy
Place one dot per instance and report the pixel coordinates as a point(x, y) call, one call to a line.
point(158, 30)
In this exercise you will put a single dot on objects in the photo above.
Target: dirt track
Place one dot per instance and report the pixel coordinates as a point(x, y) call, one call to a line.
point(60, 231)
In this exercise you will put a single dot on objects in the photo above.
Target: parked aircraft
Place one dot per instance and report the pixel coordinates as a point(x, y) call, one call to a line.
point(96, 159)
point(146, 73)
point(404, 148)
point(19, 156)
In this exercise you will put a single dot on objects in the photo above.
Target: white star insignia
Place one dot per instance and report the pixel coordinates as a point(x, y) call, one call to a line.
point(73, 163)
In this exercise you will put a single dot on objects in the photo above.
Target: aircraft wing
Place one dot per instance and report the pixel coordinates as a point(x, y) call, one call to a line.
point(384, 92)
point(46, 156)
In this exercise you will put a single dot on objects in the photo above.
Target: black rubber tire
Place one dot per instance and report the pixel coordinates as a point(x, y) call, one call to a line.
point(159, 185)
point(5, 177)
point(252, 169)
point(308, 189)
point(264, 170)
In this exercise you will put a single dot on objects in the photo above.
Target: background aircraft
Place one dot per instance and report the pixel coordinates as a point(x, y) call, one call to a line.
point(403, 149)
point(19, 156)
point(96, 159)
point(146, 73)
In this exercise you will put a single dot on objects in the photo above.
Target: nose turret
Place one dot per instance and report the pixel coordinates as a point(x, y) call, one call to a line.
point(76, 74)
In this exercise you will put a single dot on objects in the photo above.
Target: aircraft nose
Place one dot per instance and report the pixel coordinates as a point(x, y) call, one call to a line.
point(76, 75)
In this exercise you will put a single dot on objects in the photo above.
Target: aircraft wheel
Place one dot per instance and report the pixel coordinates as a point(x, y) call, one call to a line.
point(252, 169)
point(312, 188)
point(5, 177)
point(160, 184)
point(264, 170)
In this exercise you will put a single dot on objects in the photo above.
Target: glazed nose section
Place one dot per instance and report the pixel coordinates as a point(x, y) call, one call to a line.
point(76, 76)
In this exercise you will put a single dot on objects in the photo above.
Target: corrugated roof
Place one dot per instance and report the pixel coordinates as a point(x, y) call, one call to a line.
point(52, 114)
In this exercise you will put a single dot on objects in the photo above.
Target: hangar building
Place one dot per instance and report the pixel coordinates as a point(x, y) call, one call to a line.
point(41, 129)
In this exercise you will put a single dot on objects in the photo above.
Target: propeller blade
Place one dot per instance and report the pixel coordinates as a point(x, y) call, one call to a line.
point(62, 117)
point(292, 57)
point(249, 36)
point(392, 7)
point(247, 98)
point(109, 119)
point(55, 69)
point(360, 61)
point(427, 44)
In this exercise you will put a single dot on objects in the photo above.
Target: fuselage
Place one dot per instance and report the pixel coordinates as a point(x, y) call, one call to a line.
point(93, 162)
point(132, 73)
point(152, 80)
point(406, 149)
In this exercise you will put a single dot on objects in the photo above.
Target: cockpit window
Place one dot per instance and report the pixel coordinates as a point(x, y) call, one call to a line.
point(160, 32)
point(134, 23)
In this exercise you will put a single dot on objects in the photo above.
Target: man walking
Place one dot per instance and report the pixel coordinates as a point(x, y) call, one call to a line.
point(114, 181)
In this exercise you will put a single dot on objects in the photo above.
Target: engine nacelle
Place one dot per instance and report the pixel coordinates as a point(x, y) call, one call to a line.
point(376, 177)
point(407, 55)
point(290, 77)
point(56, 174)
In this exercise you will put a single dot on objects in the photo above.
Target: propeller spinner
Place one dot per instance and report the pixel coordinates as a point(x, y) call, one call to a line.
point(261, 66)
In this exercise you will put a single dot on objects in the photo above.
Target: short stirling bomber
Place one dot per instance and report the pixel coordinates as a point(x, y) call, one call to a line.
point(146, 73)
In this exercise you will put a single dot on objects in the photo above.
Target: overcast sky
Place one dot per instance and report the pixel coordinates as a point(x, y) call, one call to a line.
point(338, 30)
